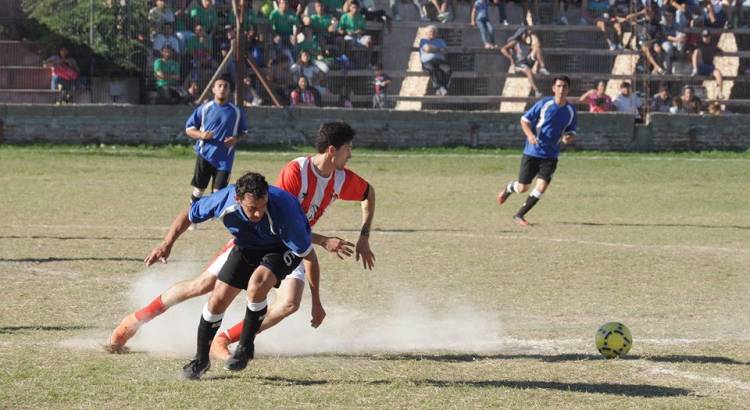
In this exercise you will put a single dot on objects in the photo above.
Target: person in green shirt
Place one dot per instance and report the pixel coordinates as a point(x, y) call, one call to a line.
point(285, 25)
point(352, 26)
point(334, 7)
point(323, 25)
point(199, 49)
point(205, 15)
point(167, 73)
point(251, 18)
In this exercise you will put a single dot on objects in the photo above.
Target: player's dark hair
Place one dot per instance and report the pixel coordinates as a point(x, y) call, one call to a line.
point(252, 183)
point(563, 78)
point(333, 133)
point(228, 79)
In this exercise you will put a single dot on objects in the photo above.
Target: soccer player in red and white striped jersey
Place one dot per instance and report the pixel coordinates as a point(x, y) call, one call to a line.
point(317, 181)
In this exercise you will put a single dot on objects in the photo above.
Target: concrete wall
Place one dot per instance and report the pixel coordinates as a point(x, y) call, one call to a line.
point(131, 124)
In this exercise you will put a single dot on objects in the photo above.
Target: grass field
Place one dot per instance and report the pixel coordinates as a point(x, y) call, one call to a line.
point(463, 310)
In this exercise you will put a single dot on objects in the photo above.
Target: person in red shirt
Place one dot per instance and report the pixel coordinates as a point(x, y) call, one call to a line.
point(317, 181)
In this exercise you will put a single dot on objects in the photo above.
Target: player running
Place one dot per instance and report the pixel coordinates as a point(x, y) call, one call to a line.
point(554, 120)
point(316, 181)
point(217, 126)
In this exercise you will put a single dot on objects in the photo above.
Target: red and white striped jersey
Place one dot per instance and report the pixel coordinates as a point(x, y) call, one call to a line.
point(316, 192)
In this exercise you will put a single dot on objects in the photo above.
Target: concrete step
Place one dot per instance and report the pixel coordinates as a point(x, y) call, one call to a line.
point(29, 96)
point(20, 53)
point(15, 77)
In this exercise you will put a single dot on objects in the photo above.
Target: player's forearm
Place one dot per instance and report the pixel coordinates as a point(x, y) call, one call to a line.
point(194, 133)
point(368, 212)
point(319, 239)
point(312, 271)
point(526, 127)
point(179, 226)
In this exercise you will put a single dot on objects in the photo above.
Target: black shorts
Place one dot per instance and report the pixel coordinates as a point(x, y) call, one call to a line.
point(532, 167)
point(241, 263)
point(203, 173)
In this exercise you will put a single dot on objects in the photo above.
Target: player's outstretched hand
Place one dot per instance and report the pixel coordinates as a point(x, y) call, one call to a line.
point(318, 314)
point(364, 252)
point(342, 248)
point(567, 139)
point(160, 253)
point(229, 142)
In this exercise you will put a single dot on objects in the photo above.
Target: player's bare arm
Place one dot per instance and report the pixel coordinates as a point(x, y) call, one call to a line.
point(233, 140)
point(363, 243)
point(312, 272)
point(197, 134)
point(526, 127)
point(161, 252)
point(568, 138)
point(341, 247)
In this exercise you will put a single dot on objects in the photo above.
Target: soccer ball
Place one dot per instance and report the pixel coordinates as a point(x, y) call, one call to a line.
point(613, 340)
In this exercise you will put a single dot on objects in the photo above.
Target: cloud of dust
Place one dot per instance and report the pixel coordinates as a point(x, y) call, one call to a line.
point(400, 324)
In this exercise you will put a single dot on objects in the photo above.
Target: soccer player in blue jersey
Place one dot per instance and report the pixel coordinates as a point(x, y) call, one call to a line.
point(271, 237)
point(551, 121)
point(217, 125)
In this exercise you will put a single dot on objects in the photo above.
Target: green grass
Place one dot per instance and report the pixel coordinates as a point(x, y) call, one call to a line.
point(463, 310)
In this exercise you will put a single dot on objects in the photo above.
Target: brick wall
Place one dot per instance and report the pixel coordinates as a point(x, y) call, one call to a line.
point(132, 124)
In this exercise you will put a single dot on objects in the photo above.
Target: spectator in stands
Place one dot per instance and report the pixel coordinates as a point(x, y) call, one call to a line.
point(307, 41)
point(502, 11)
point(323, 24)
point(661, 101)
point(352, 26)
point(714, 108)
point(649, 36)
point(285, 25)
point(199, 51)
point(524, 52)
point(600, 12)
point(194, 93)
point(431, 54)
point(443, 7)
point(167, 38)
point(703, 61)
point(561, 6)
point(302, 95)
point(305, 67)
point(159, 15)
point(167, 73)
point(254, 44)
point(480, 19)
point(597, 98)
point(688, 103)
point(381, 81)
point(297, 7)
point(673, 41)
point(714, 14)
point(683, 11)
point(370, 13)
point(65, 73)
point(206, 16)
point(251, 97)
point(628, 101)
point(280, 77)
point(251, 18)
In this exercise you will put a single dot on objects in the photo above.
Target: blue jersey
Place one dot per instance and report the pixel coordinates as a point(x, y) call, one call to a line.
point(284, 223)
point(224, 121)
point(549, 122)
point(482, 9)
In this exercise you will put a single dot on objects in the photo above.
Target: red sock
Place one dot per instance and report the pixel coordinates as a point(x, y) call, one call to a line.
point(150, 311)
point(234, 332)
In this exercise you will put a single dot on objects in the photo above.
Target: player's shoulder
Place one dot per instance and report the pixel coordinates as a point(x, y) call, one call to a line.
point(278, 197)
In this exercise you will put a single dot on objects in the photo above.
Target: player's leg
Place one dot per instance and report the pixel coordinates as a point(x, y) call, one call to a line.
point(221, 180)
point(202, 175)
point(546, 169)
point(525, 176)
point(289, 298)
point(274, 267)
point(178, 293)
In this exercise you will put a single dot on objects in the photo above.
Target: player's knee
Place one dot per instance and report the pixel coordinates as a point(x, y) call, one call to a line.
point(202, 285)
point(521, 188)
point(288, 308)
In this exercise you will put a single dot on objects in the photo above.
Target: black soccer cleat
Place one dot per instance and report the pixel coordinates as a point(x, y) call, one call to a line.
point(238, 361)
point(195, 369)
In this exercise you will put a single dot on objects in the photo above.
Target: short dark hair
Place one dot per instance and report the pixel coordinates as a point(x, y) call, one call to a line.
point(625, 84)
point(225, 77)
point(333, 133)
point(563, 78)
point(251, 183)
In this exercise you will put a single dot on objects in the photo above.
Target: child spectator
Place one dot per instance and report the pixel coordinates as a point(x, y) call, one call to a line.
point(302, 95)
point(64, 73)
point(381, 81)
point(661, 101)
point(480, 19)
point(352, 26)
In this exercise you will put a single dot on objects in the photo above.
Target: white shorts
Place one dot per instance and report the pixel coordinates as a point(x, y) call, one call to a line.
point(216, 263)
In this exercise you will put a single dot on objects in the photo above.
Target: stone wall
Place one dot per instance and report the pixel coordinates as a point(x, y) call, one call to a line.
point(135, 124)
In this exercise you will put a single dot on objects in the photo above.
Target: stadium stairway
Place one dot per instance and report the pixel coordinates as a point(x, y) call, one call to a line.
point(22, 77)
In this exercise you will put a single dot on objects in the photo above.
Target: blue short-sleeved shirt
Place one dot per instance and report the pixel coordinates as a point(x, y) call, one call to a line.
point(224, 120)
point(284, 223)
point(549, 122)
point(435, 42)
point(482, 9)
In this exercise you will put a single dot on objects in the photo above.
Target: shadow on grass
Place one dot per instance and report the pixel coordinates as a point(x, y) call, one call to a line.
point(457, 358)
point(41, 328)
point(56, 259)
point(632, 390)
point(70, 238)
point(660, 225)
point(219, 377)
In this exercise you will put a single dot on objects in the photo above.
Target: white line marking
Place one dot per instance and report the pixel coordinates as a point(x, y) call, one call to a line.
point(724, 381)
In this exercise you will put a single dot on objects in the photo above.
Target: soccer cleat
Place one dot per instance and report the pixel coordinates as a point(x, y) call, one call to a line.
point(195, 369)
point(238, 361)
point(502, 197)
point(220, 347)
point(519, 220)
point(122, 333)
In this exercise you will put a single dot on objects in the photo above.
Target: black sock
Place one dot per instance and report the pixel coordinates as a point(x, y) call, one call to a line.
point(194, 198)
point(526, 207)
point(250, 326)
point(206, 332)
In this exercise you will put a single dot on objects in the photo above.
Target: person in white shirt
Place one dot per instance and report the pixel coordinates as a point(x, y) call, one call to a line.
point(167, 38)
